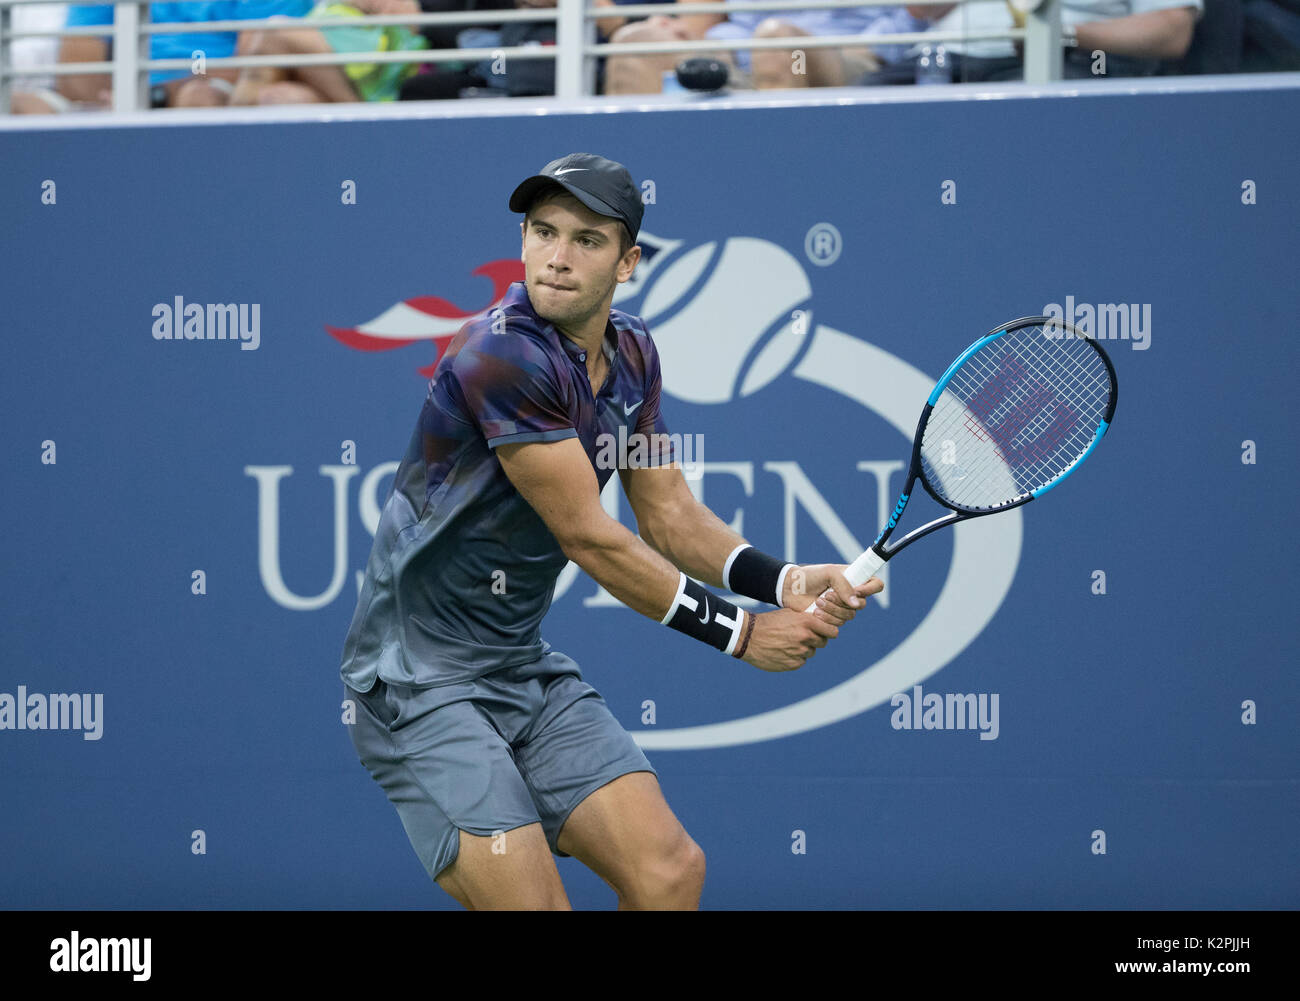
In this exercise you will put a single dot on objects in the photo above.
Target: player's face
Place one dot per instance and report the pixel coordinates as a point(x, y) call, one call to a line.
point(572, 263)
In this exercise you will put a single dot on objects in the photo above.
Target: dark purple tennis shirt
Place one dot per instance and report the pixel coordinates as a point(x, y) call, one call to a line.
point(454, 525)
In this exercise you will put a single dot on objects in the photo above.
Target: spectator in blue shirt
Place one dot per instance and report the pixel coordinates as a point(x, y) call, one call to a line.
point(168, 88)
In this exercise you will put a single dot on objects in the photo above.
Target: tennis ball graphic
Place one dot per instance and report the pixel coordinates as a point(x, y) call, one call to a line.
point(727, 320)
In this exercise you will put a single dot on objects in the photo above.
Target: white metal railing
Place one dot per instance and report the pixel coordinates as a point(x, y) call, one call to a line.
point(575, 52)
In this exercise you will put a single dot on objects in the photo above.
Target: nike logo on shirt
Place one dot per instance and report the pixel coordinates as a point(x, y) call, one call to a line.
point(627, 411)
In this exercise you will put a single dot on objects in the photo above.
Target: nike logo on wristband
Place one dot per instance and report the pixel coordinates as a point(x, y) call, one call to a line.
point(705, 616)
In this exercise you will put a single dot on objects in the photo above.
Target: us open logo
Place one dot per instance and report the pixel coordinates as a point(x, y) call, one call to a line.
point(723, 336)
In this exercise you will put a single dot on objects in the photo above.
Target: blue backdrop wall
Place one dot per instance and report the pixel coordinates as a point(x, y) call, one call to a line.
point(807, 272)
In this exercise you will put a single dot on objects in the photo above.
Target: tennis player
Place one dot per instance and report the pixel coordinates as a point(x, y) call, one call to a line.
point(493, 749)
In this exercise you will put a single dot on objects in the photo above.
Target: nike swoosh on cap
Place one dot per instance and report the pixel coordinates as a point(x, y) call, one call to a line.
point(570, 170)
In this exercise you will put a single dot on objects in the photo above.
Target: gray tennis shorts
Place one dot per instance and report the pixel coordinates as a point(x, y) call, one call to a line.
point(522, 745)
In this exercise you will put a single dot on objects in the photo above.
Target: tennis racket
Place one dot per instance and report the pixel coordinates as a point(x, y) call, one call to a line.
point(1012, 417)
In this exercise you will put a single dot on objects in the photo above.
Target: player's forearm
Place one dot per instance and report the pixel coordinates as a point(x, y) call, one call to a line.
point(695, 540)
point(1156, 34)
point(625, 567)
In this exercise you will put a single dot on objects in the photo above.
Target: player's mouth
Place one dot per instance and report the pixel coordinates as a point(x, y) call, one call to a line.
point(559, 288)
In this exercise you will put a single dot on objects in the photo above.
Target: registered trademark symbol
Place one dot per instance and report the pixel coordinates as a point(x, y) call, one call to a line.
point(823, 244)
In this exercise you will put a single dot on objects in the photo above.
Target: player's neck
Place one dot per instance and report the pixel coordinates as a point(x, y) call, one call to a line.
point(590, 334)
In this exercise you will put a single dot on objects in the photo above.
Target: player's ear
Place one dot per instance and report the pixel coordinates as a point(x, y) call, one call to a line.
point(625, 268)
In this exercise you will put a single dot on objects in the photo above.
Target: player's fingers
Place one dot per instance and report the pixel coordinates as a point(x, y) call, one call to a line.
point(841, 589)
point(820, 627)
point(833, 612)
point(873, 585)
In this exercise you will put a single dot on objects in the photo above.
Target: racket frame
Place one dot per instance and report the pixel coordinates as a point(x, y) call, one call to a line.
point(960, 512)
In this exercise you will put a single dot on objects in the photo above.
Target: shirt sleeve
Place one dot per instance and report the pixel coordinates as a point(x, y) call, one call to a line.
point(507, 386)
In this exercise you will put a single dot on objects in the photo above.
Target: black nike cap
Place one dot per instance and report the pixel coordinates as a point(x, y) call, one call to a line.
point(602, 185)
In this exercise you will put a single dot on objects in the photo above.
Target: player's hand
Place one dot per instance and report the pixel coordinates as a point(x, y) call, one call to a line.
point(824, 583)
point(782, 640)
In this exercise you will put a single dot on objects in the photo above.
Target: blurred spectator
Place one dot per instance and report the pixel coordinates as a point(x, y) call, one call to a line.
point(606, 26)
point(1217, 42)
point(500, 77)
point(486, 77)
point(168, 88)
point(1138, 38)
point(763, 68)
point(1135, 35)
point(35, 95)
point(358, 81)
point(645, 74)
point(821, 67)
point(443, 36)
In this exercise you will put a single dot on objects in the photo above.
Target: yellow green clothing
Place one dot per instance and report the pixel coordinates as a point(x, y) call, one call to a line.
point(373, 81)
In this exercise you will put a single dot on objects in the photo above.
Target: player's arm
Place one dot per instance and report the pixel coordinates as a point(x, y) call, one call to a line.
point(676, 525)
point(557, 479)
point(694, 539)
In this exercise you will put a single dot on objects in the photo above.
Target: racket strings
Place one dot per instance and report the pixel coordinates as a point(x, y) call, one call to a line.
point(1018, 414)
point(1021, 439)
point(1006, 403)
point(1050, 397)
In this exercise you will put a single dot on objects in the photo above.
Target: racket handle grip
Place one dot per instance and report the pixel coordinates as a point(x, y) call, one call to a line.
point(859, 571)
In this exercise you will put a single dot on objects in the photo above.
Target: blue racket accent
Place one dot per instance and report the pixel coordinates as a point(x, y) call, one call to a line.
point(1101, 431)
point(947, 376)
point(893, 518)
